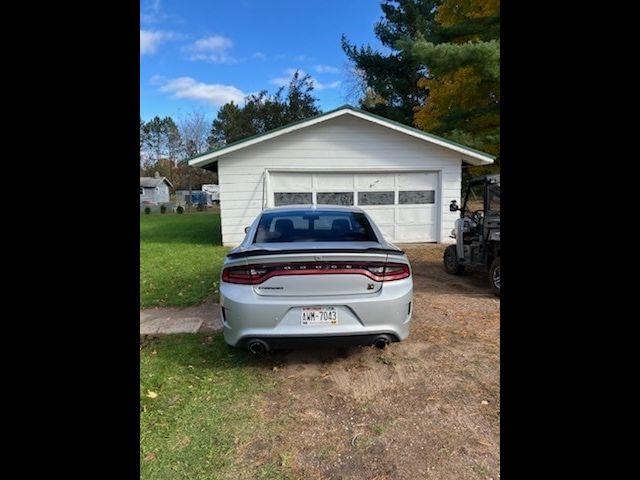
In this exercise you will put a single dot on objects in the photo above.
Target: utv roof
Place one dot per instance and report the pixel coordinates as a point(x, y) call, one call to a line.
point(493, 178)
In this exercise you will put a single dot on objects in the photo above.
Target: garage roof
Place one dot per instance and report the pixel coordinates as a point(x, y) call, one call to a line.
point(472, 156)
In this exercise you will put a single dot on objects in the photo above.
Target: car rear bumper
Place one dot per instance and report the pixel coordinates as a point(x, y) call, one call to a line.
point(246, 315)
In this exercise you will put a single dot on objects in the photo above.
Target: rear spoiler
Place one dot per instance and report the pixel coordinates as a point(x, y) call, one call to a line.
point(255, 253)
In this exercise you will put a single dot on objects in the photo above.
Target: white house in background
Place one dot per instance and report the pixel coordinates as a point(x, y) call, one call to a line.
point(403, 177)
point(154, 189)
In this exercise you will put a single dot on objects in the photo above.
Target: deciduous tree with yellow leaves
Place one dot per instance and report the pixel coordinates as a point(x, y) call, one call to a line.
point(463, 74)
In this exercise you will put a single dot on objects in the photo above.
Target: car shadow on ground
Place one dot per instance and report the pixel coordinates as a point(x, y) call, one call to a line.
point(293, 354)
point(323, 353)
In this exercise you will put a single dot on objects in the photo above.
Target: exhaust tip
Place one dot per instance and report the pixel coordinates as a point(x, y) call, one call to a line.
point(381, 342)
point(258, 347)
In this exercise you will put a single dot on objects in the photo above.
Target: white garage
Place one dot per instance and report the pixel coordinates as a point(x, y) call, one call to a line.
point(403, 177)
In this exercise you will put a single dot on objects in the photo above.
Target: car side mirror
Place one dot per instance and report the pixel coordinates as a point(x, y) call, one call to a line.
point(453, 206)
point(246, 229)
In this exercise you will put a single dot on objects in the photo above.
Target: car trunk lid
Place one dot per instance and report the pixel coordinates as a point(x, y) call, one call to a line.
point(304, 274)
point(321, 268)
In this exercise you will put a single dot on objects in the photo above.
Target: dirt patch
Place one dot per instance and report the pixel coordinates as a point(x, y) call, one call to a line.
point(428, 407)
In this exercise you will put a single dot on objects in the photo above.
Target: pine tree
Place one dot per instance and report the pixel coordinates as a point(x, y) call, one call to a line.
point(390, 80)
point(229, 126)
point(263, 112)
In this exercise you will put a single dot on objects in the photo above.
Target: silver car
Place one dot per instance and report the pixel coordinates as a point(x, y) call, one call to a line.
point(311, 272)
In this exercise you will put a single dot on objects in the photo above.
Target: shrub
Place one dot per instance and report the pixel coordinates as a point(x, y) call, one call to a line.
point(180, 210)
point(163, 208)
point(147, 210)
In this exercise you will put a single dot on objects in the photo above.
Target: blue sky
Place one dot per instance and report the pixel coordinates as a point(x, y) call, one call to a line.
point(199, 54)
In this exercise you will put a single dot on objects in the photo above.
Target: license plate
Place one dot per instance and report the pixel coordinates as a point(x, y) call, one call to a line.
point(319, 316)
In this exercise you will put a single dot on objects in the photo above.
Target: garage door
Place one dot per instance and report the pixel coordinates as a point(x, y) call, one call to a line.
point(403, 204)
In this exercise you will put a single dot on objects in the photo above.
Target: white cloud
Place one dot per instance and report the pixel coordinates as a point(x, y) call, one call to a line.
point(158, 80)
point(326, 69)
point(190, 89)
point(280, 81)
point(259, 56)
point(325, 86)
point(152, 12)
point(215, 43)
point(150, 39)
point(211, 49)
point(284, 81)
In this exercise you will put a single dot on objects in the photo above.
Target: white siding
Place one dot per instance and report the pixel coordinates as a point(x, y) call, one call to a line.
point(162, 193)
point(159, 194)
point(346, 144)
point(148, 194)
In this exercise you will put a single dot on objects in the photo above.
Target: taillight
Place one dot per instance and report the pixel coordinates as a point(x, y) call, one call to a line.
point(395, 271)
point(247, 275)
point(389, 271)
point(256, 274)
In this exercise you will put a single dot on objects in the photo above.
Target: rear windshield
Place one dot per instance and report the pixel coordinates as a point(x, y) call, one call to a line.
point(314, 226)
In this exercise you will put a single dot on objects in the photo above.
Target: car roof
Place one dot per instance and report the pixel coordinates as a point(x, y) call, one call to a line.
point(339, 208)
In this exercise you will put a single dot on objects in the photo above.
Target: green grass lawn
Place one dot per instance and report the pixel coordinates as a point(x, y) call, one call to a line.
point(180, 258)
point(198, 400)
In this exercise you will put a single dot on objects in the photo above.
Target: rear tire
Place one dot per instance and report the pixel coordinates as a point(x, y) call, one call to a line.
point(451, 264)
point(494, 276)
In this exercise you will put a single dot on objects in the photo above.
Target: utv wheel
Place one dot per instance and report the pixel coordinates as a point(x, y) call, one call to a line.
point(494, 276)
point(451, 264)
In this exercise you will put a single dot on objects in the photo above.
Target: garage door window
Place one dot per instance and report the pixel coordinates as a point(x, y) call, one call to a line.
point(404, 204)
point(298, 198)
point(335, 198)
point(417, 196)
point(375, 198)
